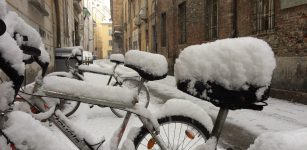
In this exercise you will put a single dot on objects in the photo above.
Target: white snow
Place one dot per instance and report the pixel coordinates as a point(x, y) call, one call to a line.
point(117, 57)
point(61, 74)
point(209, 145)
point(11, 52)
point(3, 8)
point(154, 64)
point(76, 50)
point(28, 133)
point(234, 64)
point(7, 94)
point(76, 88)
point(179, 107)
point(96, 69)
point(284, 140)
point(17, 24)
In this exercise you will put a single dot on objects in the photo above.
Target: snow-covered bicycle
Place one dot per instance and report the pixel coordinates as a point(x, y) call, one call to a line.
point(116, 78)
point(153, 67)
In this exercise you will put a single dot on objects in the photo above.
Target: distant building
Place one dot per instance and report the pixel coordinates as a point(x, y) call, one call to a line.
point(168, 26)
point(117, 19)
point(102, 28)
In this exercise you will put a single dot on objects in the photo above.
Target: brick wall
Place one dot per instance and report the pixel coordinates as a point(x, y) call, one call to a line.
point(288, 37)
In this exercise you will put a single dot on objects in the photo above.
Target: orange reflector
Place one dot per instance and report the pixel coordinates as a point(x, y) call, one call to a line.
point(151, 143)
point(189, 134)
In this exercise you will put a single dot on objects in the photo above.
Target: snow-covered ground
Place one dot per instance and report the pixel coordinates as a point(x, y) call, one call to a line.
point(279, 115)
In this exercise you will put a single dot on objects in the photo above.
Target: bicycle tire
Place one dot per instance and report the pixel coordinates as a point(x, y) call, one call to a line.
point(120, 113)
point(143, 138)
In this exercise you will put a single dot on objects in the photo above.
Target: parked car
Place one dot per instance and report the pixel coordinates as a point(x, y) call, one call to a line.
point(87, 57)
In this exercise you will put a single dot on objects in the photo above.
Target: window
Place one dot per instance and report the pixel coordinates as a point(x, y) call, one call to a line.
point(264, 10)
point(110, 42)
point(211, 19)
point(163, 29)
point(110, 32)
point(182, 23)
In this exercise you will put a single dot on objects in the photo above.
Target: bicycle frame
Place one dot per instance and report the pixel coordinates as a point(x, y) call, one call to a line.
point(60, 120)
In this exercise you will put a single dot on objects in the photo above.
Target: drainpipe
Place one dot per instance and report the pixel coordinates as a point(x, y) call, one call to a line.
point(234, 19)
point(58, 25)
point(156, 45)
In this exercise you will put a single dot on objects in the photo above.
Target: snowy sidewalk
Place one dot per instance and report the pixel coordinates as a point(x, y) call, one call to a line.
point(242, 126)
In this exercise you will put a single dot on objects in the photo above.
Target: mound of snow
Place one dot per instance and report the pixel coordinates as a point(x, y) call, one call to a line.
point(235, 64)
point(28, 133)
point(285, 140)
point(150, 63)
point(11, 53)
point(117, 57)
point(7, 94)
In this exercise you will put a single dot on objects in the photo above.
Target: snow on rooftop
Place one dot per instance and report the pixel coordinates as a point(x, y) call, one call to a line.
point(234, 64)
point(154, 64)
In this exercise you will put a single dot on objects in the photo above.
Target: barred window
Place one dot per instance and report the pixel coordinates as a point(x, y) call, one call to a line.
point(264, 10)
point(182, 22)
point(211, 19)
point(163, 29)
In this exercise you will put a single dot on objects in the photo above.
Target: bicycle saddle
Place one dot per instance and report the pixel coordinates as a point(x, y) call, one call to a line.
point(230, 73)
point(148, 65)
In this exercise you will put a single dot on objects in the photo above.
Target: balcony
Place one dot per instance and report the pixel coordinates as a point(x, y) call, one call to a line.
point(40, 6)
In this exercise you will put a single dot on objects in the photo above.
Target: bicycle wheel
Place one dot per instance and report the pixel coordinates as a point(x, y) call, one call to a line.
point(178, 132)
point(68, 107)
point(144, 95)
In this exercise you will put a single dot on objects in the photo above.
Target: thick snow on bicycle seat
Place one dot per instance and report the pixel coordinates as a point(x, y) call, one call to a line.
point(96, 69)
point(149, 66)
point(117, 58)
point(230, 73)
point(71, 89)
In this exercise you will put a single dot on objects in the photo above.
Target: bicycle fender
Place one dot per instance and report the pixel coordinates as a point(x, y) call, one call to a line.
point(177, 107)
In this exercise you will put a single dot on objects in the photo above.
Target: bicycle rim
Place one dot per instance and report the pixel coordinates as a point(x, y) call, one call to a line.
point(178, 132)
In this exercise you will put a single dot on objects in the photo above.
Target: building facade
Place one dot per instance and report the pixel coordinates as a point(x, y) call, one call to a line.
point(117, 20)
point(102, 28)
point(168, 26)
